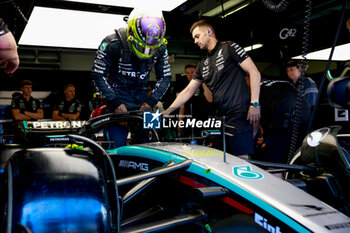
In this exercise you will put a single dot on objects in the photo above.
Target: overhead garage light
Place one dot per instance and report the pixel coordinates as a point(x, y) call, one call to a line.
point(235, 9)
point(252, 47)
point(341, 53)
point(231, 4)
point(68, 28)
point(165, 5)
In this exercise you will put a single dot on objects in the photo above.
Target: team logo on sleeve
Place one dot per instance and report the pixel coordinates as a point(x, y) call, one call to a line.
point(103, 46)
point(151, 120)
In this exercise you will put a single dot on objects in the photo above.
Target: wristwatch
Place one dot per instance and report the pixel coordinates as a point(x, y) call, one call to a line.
point(255, 104)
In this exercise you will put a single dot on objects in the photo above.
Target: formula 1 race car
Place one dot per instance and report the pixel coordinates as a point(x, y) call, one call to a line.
point(158, 186)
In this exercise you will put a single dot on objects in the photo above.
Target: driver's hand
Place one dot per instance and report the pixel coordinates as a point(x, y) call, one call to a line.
point(145, 108)
point(121, 109)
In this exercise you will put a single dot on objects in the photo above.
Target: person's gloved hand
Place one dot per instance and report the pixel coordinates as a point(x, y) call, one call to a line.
point(253, 114)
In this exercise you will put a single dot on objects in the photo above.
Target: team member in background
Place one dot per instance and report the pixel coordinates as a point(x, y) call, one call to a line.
point(68, 107)
point(123, 64)
point(310, 90)
point(348, 24)
point(224, 71)
point(24, 106)
point(8, 49)
point(198, 106)
point(278, 100)
point(97, 101)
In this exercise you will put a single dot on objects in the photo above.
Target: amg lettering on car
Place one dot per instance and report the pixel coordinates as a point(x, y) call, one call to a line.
point(260, 220)
point(133, 165)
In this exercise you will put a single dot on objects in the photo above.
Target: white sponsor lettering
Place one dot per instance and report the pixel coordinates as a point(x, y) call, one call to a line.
point(220, 59)
point(98, 71)
point(59, 139)
point(101, 52)
point(261, 221)
point(100, 56)
point(142, 76)
point(128, 73)
point(54, 124)
point(240, 51)
point(99, 67)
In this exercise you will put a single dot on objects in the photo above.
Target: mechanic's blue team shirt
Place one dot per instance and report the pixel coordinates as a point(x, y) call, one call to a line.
point(225, 78)
point(3, 27)
point(69, 107)
point(19, 102)
point(310, 90)
point(124, 81)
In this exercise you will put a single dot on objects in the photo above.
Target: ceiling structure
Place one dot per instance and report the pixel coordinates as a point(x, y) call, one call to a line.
point(247, 22)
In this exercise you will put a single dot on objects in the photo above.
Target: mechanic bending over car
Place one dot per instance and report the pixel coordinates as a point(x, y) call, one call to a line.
point(8, 49)
point(123, 63)
point(24, 106)
point(224, 71)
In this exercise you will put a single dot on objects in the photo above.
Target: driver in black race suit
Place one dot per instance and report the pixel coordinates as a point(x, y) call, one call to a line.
point(224, 70)
point(123, 64)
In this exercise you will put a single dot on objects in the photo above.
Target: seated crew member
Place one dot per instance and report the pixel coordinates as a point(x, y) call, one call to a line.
point(24, 106)
point(68, 107)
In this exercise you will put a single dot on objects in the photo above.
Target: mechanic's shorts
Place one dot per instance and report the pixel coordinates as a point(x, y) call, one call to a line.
point(239, 137)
